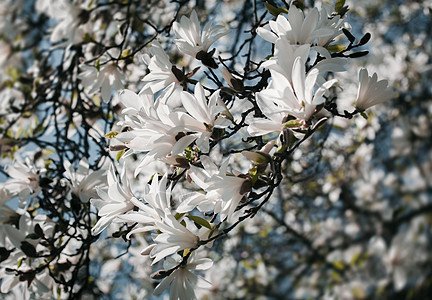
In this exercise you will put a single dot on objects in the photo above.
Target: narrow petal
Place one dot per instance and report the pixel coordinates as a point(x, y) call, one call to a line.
point(182, 144)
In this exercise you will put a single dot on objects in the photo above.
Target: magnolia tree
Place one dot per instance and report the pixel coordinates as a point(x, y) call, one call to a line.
point(215, 150)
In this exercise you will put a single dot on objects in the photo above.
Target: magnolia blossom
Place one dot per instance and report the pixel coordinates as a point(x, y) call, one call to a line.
point(285, 54)
point(156, 200)
point(26, 226)
point(157, 130)
point(304, 88)
point(203, 115)
point(109, 78)
point(50, 258)
point(371, 92)
point(224, 191)
point(25, 179)
point(83, 182)
point(190, 40)
point(297, 28)
point(174, 237)
point(88, 75)
point(231, 189)
point(202, 178)
point(138, 107)
point(284, 57)
point(330, 21)
point(39, 288)
point(183, 281)
point(162, 72)
point(19, 244)
point(298, 99)
point(113, 203)
point(17, 241)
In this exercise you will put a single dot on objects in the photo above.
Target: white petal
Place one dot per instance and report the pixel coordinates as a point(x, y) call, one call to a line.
point(162, 286)
point(182, 144)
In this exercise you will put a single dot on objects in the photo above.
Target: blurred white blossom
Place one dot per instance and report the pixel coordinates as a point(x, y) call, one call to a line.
point(190, 40)
point(183, 281)
point(372, 92)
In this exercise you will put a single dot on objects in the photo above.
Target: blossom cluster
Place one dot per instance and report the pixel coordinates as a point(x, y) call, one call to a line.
point(180, 129)
point(182, 185)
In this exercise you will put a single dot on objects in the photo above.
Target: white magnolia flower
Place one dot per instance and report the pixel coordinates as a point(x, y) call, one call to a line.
point(224, 191)
point(299, 99)
point(297, 28)
point(42, 285)
point(156, 131)
point(174, 237)
point(138, 107)
point(83, 182)
point(202, 178)
point(156, 200)
point(25, 178)
point(88, 75)
point(115, 202)
point(231, 189)
point(26, 226)
point(162, 72)
point(190, 40)
point(330, 21)
point(371, 92)
point(284, 57)
point(109, 78)
point(304, 88)
point(202, 115)
point(183, 281)
point(274, 104)
point(286, 53)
